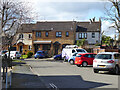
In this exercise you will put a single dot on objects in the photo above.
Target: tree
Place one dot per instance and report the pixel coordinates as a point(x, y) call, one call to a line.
point(12, 14)
point(107, 40)
point(113, 14)
point(80, 42)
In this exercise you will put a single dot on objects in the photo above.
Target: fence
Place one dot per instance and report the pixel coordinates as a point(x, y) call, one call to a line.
point(6, 65)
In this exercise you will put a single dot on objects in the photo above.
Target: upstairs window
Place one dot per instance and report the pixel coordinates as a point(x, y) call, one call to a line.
point(82, 35)
point(21, 36)
point(38, 34)
point(30, 36)
point(93, 35)
point(67, 34)
point(46, 34)
point(58, 34)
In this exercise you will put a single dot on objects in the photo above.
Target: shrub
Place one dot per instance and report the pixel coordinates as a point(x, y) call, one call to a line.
point(29, 54)
point(24, 57)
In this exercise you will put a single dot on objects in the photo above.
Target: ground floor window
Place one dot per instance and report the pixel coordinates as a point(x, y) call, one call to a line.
point(46, 47)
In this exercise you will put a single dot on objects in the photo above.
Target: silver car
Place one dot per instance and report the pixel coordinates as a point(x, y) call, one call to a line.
point(107, 61)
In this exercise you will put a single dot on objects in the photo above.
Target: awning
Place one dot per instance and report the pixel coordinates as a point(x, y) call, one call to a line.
point(42, 42)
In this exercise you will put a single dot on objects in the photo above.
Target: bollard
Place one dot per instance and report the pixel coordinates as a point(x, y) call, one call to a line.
point(10, 78)
point(6, 80)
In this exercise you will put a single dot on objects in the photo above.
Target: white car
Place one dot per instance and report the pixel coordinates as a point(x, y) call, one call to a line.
point(107, 61)
point(14, 54)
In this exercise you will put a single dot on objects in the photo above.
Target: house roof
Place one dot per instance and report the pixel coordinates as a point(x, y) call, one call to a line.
point(88, 27)
point(54, 25)
point(26, 28)
point(61, 26)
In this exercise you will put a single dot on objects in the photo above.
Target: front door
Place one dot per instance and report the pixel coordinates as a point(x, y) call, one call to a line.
point(21, 49)
point(36, 48)
point(56, 49)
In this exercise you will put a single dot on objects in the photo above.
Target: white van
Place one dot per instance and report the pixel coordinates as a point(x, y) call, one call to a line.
point(14, 54)
point(69, 50)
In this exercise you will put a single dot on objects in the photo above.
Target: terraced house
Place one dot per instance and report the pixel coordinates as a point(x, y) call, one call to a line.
point(23, 38)
point(52, 36)
point(90, 31)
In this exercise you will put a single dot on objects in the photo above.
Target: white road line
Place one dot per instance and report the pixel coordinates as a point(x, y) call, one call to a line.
point(53, 85)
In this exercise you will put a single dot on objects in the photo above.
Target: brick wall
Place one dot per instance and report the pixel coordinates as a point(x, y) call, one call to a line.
point(52, 37)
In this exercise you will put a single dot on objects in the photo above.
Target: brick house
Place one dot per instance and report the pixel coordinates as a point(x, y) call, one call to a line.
point(53, 36)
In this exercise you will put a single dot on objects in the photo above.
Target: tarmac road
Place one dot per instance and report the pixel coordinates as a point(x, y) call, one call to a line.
point(59, 74)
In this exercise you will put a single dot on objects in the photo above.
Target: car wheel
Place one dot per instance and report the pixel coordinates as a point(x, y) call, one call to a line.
point(78, 65)
point(96, 71)
point(35, 58)
point(84, 64)
point(116, 70)
point(71, 62)
point(18, 57)
point(57, 58)
point(65, 59)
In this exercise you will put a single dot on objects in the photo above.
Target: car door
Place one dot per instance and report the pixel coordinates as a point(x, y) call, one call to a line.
point(87, 58)
point(92, 58)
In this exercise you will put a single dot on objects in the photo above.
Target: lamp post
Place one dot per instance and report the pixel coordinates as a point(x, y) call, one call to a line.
point(0, 56)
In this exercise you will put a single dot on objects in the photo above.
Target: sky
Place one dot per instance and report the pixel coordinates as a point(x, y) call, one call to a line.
point(69, 10)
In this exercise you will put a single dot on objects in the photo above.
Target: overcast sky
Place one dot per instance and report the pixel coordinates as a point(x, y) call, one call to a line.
point(78, 10)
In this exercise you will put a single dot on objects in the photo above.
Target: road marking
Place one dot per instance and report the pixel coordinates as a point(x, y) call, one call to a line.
point(53, 86)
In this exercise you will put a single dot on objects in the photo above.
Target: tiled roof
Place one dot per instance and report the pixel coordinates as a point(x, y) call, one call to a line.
point(26, 28)
point(90, 27)
point(61, 25)
point(55, 25)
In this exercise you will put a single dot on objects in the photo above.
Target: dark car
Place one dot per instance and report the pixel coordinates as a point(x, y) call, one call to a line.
point(58, 57)
point(41, 54)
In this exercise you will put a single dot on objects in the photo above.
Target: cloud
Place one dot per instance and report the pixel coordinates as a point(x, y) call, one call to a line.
point(68, 10)
point(79, 10)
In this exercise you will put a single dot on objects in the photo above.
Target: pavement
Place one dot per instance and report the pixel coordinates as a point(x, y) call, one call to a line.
point(9, 75)
point(23, 77)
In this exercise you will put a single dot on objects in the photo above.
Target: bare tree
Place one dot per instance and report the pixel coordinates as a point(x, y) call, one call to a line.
point(12, 14)
point(113, 14)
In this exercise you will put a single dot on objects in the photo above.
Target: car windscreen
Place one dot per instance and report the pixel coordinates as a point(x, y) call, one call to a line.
point(39, 53)
point(75, 54)
point(103, 56)
point(78, 55)
point(80, 50)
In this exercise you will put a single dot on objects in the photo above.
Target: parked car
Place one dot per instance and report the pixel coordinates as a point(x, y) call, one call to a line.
point(2, 53)
point(84, 59)
point(69, 50)
point(41, 54)
point(107, 61)
point(71, 60)
point(14, 54)
point(58, 57)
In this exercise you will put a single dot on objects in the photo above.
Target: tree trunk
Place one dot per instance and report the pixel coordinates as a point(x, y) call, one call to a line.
point(119, 40)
